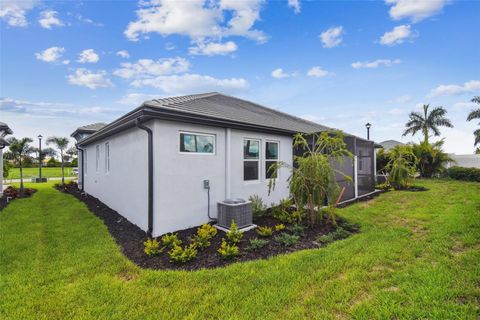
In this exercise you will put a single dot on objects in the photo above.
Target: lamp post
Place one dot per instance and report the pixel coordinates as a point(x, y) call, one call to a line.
point(368, 126)
point(40, 157)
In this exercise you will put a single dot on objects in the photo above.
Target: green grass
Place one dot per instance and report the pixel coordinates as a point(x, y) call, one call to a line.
point(417, 257)
point(48, 172)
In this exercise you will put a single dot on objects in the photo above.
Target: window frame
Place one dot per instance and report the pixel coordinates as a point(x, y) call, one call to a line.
point(277, 160)
point(258, 160)
point(85, 161)
point(97, 158)
point(107, 157)
point(214, 136)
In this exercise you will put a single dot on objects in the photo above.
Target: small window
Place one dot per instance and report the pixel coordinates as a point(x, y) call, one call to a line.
point(271, 158)
point(197, 143)
point(85, 155)
point(251, 159)
point(97, 157)
point(107, 157)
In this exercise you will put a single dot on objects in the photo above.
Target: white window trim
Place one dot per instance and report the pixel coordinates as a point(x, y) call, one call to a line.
point(97, 158)
point(260, 157)
point(278, 158)
point(107, 157)
point(214, 136)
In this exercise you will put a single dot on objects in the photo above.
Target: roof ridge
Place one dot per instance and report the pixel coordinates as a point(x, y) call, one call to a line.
point(176, 99)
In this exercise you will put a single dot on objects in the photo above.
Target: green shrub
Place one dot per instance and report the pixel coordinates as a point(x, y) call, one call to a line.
point(402, 167)
point(203, 236)
point(256, 244)
point(171, 240)
point(258, 207)
point(462, 173)
point(182, 255)
point(228, 251)
point(280, 227)
point(152, 247)
point(265, 231)
point(287, 239)
point(341, 233)
point(297, 230)
point(234, 236)
point(325, 239)
point(207, 229)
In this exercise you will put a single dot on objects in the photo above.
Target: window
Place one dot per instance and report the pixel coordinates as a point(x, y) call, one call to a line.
point(97, 157)
point(85, 155)
point(251, 159)
point(107, 157)
point(271, 158)
point(197, 143)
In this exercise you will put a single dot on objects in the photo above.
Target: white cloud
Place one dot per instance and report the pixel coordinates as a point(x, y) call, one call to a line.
point(398, 35)
point(144, 68)
point(332, 37)
point(279, 74)
point(93, 80)
point(415, 10)
point(136, 98)
point(375, 64)
point(212, 48)
point(198, 19)
point(454, 89)
point(123, 54)
point(51, 55)
point(191, 83)
point(317, 72)
point(401, 99)
point(88, 21)
point(169, 46)
point(48, 18)
point(88, 56)
point(295, 5)
point(14, 12)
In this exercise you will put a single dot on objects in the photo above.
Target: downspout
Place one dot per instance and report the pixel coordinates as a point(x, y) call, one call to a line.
point(138, 123)
point(83, 174)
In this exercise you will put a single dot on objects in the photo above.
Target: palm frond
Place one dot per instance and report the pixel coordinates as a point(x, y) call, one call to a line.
point(475, 114)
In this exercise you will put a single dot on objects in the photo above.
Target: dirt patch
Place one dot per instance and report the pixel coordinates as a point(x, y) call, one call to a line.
point(131, 238)
point(11, 193)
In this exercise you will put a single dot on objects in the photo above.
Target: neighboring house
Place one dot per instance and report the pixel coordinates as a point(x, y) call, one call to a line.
point(464, 160)
point(390, 144)
point(4, 131)
point(151, 164)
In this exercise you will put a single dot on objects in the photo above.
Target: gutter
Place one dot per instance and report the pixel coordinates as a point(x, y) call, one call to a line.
point(83, 161)
point(138, 123)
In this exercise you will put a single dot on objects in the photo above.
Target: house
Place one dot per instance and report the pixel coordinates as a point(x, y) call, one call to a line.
point(4, 131)
point(390, 144)
point(153, 164)
point(464, 160)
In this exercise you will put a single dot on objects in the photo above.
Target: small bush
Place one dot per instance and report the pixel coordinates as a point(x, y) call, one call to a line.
point(171, 240)
point(265, 231)
point(352, 227)
point(287, 239)
point(297, 230)
point(152, 247)
point(207, 229)
point(465, 174)
point(182, 255)
point(228, 251)
point(325, 239)
point(234, 236)
point(203, 236)
point(258, 207)
point(341, 233)
point(280, 227)
point(256, 244)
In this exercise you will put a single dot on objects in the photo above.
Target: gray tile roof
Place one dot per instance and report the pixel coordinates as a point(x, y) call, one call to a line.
point(5, 127)
point(389, 144)
point(92, 127)
point(220, 106)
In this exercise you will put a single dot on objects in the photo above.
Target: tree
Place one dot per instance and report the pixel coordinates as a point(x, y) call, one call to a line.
point(475, 114)
point(312, 179)
point(431, 159)
point(401, 167)
point(61, 144)
point(426, 122)
point(19, 150)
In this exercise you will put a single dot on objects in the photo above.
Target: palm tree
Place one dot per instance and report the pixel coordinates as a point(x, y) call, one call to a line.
point(19, 150)
point(427, 121)
point(62, 145)
point(475, 114)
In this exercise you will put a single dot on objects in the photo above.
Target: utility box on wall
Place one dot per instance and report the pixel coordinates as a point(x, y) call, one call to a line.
point(237, 210)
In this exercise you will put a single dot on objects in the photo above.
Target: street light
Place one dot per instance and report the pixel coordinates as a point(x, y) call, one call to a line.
point(368, 126)
point(40, 157)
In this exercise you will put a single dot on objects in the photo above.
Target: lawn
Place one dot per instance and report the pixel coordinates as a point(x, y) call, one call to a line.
point(48, 172)
point(416, 257)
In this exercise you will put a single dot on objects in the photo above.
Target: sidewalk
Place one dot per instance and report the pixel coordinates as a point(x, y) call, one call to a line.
point(27, 180)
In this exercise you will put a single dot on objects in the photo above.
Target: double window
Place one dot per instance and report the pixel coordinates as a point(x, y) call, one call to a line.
point(197, 143)
point(251, 159)
point(271, 158)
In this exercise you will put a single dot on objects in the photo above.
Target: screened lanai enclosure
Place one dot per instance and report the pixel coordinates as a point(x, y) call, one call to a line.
point(361, 169)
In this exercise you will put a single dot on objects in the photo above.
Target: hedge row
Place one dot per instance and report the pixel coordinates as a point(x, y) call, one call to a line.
point(461, 173)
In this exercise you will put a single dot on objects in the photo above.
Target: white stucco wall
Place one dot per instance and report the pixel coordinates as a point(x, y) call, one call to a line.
point(125, 187)
point(465, 160)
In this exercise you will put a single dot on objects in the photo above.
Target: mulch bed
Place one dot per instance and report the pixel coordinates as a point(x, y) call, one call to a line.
point(131, 238)
point(12, 193)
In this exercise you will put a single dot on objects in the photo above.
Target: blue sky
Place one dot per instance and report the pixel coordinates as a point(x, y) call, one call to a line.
point(340, 63)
